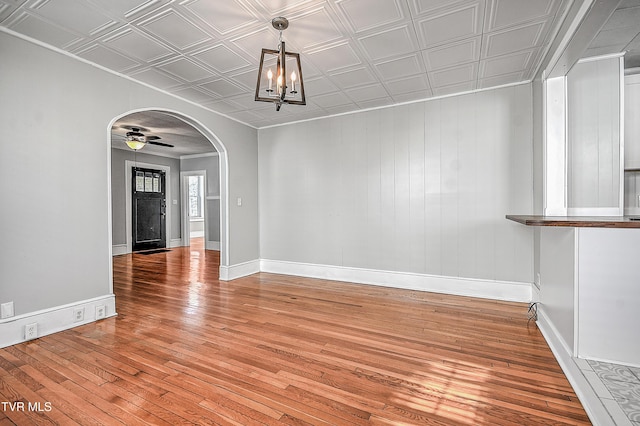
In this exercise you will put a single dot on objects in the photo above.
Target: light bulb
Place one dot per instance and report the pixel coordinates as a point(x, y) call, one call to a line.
point(270, 77)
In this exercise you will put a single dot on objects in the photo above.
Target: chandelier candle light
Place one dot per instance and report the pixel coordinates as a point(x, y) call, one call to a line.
point(285, 91)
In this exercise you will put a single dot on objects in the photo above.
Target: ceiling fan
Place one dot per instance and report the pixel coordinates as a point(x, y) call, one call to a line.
point(137, 140)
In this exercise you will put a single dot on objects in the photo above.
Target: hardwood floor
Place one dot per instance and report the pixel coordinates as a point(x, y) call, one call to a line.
point(270, 349)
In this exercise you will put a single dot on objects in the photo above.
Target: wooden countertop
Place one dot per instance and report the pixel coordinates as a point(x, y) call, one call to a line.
point(578, 221)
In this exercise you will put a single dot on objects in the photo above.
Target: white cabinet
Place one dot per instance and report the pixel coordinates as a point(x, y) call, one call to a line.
point(632, 121)
point(632, 145)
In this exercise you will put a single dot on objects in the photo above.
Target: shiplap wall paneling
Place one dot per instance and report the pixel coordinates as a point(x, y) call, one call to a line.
point(558, 281)
point(417, 163)
point(470, 178)
point(398, 188)
point(450, 186)
point(353, 160)
point(418, 188)
point(519, 179)
point(434, 182)
point(594, 137)
point(487, 155)
point(321, 204)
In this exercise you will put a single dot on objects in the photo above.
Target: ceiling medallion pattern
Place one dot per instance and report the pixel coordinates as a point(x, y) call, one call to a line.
point(356, 54)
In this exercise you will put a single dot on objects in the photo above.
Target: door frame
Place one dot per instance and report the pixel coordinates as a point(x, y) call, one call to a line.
point(128, 165)
point(184, 201)
point(226, 272)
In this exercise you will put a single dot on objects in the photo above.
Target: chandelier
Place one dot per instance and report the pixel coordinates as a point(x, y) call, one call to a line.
point(275, 85)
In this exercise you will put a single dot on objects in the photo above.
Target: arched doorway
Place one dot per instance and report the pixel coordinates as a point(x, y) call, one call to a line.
point(192, 125)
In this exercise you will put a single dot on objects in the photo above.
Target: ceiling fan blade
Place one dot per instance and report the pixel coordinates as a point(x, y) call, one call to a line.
point(134, 128)
point(135, 133)
point(159, 144)
point(153, 138)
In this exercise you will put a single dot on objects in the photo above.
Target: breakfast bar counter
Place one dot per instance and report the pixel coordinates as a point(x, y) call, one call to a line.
point(587, 281)
point(578, 221)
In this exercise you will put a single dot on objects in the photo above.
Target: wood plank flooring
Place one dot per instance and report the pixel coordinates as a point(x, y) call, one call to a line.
point(271, 349)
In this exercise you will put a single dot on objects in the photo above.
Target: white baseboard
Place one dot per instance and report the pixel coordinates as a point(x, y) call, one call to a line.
point(488, 289)
point(53, 320)
point(212, 245)
point(118, 249)
point(594, 407)
point(228, 273)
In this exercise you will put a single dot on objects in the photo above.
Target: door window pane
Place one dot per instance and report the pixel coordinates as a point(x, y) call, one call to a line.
point(156, 182)
point(148, 182)
point(140, 181)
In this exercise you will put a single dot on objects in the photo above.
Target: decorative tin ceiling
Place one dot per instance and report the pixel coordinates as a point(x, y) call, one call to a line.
point(356, 54)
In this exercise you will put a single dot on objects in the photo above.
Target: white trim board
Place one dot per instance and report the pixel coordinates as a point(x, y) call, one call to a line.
point(231, 272)
point(118, 249)
point(487, 289)
point(212, 245)
point(185, 222)
point(53, 320)
point(592, 404)
point(206, 154)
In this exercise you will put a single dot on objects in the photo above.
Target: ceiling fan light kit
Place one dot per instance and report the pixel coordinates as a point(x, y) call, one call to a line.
point(137, 140)
point(279, 87)
point(135, 145)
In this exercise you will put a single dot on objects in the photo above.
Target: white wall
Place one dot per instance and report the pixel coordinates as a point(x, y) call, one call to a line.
point(419, 188)
point(55, 113)
point(557, 281)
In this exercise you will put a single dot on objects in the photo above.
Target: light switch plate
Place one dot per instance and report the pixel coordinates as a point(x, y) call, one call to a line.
point(6, 310)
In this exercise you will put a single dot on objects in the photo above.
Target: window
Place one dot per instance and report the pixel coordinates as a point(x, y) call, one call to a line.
point(196, 197)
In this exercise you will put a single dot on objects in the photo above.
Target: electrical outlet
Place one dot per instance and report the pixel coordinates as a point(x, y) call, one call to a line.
point(78, 315)
point(31, 331)
point(6, 310)
point(101, 311)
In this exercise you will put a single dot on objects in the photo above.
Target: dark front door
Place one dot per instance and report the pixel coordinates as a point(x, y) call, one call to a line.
point(148, 209)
